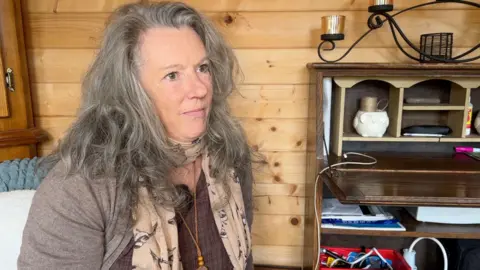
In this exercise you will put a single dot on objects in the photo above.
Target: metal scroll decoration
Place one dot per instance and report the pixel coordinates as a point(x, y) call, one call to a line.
point(435, 47)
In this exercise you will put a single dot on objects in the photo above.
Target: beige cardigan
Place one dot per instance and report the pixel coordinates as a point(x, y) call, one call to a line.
point(75, 224)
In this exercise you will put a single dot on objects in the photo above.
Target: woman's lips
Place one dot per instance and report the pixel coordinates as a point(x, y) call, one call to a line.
point(196, 113)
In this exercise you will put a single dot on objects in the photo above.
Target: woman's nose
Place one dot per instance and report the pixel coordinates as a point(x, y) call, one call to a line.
point(197, 86)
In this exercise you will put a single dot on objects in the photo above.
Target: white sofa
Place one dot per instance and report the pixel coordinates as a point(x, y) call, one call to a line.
point(14, 208)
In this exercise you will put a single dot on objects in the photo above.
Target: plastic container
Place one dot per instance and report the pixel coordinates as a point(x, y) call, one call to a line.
point(468, 129)
point(398, 262)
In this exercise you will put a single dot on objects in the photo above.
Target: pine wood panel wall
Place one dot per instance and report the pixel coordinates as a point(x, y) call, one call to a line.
point(273, 40)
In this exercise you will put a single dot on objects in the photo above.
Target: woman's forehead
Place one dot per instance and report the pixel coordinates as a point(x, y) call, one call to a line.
point(168, 46)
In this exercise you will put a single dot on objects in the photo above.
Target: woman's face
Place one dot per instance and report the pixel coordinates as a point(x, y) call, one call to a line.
point(175, 72)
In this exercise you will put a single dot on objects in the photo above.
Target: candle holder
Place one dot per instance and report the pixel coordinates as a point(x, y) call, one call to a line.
point(380, 15)
point(333, 27)
point(380, 6)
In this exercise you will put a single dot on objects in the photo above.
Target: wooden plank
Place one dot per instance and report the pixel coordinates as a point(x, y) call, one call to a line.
point(429, 107)
point(282, 168)
point(260, 66)
point(355, 137)
point(277, 134)
point(228, 5)
point(38, 5)
point(73, 5)
point(288, 230)
point(14, 152)
point(253, 101)
point(62, 99)
point(59, 65)
point(266, 135)
point(4, 108)
point(338, 118)
point(279, 205)
point(284, 175)
point(266, 29)
point(395, 111)
point(278, 255)
point(260, 189)
point(291, 181)
point(270, 101)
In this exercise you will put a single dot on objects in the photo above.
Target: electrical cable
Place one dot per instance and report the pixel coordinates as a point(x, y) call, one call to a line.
point(330, 167)
point(409, 254)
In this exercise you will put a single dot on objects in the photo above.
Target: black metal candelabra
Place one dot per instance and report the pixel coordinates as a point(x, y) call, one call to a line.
point(378, 18)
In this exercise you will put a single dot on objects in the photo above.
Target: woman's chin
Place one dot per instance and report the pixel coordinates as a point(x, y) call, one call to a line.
point(194, 134)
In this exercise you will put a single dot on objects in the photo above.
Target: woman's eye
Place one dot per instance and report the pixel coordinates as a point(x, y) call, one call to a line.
point(204, 68)
point(172, 76)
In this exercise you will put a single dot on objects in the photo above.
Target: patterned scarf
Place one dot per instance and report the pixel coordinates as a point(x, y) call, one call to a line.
point(155, 230)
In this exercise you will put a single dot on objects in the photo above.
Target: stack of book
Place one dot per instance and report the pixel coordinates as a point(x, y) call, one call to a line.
point(350, 216)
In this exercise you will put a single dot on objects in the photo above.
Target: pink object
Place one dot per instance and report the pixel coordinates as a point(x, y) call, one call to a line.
point(464, 149)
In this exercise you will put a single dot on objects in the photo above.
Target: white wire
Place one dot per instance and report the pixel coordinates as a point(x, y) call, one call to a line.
point(373, 250)
point(361, 258)
point(335, 262)
point(383, 259)
point(442, 248)
point(315, 191)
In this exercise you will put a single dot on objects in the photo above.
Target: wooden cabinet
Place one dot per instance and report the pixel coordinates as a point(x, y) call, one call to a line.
point(18, 135)
point(410, 171)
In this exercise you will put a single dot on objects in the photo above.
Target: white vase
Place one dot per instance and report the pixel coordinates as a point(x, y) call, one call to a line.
point(371, 124)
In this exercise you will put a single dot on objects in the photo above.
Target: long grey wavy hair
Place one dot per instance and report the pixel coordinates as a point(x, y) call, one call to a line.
point(118, 134)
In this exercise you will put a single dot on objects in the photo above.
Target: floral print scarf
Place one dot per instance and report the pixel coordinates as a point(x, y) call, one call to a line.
point(155, 230)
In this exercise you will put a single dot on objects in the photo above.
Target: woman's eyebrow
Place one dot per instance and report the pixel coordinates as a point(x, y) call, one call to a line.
point(179, 66)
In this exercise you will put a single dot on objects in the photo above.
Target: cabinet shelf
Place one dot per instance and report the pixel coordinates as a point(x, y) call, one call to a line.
point(453, 95)
point(416, 228)
point(430, 107)
point(394, 188)
point(410, 171)
point(352, 137)
point(387, 138)
point(469, 138)
point(401, 181)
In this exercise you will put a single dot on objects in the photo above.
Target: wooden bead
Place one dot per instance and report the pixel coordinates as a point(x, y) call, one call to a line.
point(200, 263)
point(200, 258)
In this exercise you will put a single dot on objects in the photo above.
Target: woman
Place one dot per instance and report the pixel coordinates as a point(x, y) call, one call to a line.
point(155, 173)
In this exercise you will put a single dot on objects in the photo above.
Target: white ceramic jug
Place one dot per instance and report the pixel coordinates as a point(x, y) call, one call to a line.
point(371, 124)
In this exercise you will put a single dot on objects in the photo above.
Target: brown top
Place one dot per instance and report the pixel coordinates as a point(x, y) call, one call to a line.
point(70, 209)
point(213, 251)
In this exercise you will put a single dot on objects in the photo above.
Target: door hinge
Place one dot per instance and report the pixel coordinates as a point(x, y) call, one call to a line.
point(9, 80)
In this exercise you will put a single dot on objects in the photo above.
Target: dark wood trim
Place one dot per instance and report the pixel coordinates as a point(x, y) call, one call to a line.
point(405, 189)
point(393, 66)
point(22, 137)
point(397, 70)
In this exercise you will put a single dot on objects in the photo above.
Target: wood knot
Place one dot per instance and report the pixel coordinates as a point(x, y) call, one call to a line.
point(276, 164)
point(294, 221)
point(299, 143)
point(255, 147)
point(277, 178)
point(228, 19)
point(258, 119)
point(273, 129)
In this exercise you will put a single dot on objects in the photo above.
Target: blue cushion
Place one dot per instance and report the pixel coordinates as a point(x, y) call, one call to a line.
point(20, 174)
